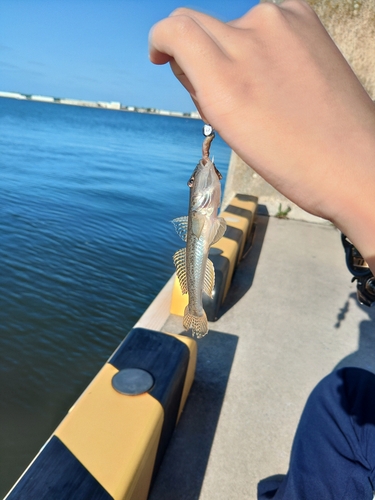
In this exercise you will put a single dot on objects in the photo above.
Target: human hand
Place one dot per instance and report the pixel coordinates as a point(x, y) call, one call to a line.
point(279, 92)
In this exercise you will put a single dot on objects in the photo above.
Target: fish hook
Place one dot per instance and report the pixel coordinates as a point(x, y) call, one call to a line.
point(209, 134)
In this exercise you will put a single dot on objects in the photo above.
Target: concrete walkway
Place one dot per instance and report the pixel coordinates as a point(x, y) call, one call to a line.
point(291, 318)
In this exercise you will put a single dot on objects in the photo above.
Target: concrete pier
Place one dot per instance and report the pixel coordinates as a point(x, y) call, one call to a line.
point(291, 318)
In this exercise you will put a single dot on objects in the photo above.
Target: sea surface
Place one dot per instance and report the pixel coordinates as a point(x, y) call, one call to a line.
point(86, 243)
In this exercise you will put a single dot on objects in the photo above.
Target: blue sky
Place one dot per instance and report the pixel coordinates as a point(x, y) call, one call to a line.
point(94, 49)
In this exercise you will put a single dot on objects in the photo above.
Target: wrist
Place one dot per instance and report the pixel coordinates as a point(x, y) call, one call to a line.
point(354, 210)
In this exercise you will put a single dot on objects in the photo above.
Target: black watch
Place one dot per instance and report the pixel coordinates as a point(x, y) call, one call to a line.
point(361, 273)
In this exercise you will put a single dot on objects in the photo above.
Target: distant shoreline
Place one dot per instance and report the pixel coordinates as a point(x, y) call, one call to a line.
point(114, 105)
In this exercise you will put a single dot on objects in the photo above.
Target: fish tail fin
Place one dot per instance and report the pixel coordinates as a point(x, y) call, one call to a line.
point(198, 324)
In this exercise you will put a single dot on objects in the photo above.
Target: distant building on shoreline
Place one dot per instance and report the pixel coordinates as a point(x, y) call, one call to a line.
point(115, 105)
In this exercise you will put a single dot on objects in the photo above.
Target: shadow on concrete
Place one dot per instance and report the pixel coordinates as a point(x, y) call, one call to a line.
point(184, 465)
point(243, 276)
point(342, 314)
point(364, 357)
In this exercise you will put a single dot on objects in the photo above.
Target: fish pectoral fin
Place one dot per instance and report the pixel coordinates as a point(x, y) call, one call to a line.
point(181, 227)
point(219, 229)
point(197, 224)
point(209, 278)
point(198, 324)
point(179, 259)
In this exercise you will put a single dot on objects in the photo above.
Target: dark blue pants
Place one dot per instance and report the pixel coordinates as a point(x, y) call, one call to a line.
point(333, 454)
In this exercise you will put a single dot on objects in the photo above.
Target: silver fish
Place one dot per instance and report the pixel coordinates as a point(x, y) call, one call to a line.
point(200, 229)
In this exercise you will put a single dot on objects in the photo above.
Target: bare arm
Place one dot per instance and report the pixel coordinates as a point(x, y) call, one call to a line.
point(279, 92)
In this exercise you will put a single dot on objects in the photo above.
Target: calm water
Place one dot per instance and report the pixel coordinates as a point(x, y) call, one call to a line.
point(86, 199)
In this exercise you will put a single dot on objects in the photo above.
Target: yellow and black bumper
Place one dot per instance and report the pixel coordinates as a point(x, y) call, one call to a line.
point(110, 444)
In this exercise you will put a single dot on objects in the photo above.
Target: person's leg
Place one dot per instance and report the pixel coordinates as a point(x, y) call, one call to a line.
point(333, 454)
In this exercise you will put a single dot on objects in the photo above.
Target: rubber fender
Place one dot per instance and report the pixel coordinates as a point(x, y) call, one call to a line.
point(110, 444)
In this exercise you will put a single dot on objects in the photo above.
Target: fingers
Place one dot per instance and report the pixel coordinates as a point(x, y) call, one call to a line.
point(184, 35)
point(268, 12)
point(214, 28)
point(158, 53)
point(190, 42)
point(185, 27)
point(180, 75)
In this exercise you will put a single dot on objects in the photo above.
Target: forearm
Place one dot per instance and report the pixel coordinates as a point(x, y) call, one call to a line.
point(279, 92)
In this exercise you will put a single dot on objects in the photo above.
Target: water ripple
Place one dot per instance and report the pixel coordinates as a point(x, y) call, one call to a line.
point(86, 243)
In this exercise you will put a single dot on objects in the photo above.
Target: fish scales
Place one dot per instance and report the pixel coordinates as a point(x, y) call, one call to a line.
point(196, 259)
point(200, 229)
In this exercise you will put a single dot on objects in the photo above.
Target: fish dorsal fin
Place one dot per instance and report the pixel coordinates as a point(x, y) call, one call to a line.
point(181, 227)
point(218, 229)
point(197, 224)
point(209, 278)
point(179, 259)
